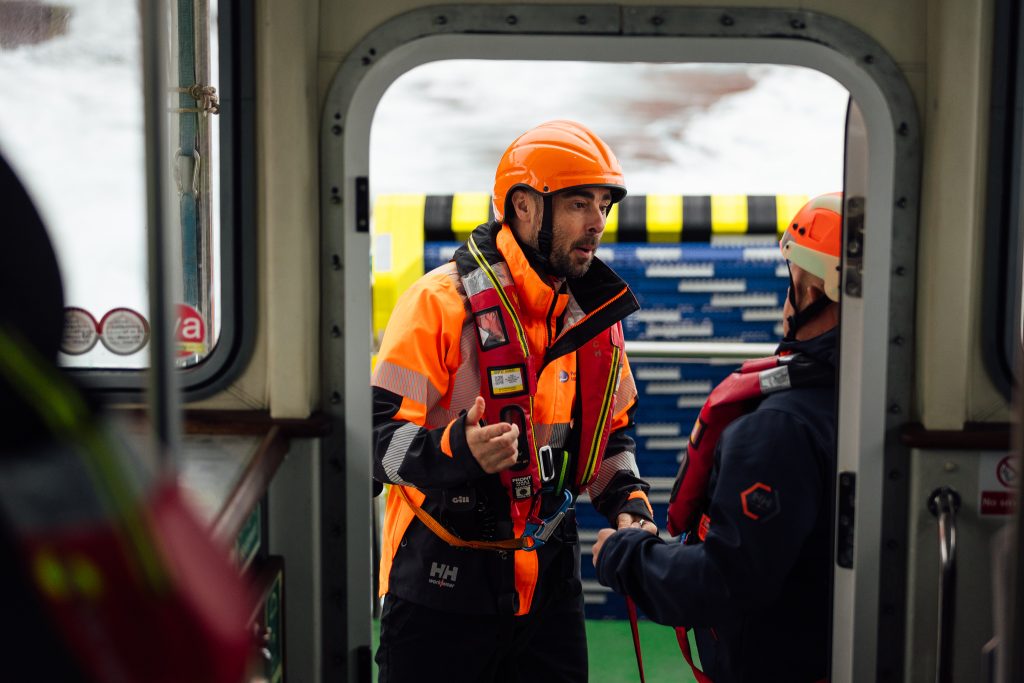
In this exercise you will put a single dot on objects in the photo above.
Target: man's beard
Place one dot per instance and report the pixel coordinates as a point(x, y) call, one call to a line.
point(562, 260)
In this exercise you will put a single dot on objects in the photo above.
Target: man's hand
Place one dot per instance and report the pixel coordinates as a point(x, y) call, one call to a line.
point(602, 536)
point(625, 520)
point(495, 446)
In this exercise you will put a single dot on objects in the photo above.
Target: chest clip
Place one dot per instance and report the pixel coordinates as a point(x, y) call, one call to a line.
point(539, 532)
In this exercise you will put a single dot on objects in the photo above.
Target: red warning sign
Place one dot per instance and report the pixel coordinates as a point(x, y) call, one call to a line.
point(997, 481)
point(189, 331)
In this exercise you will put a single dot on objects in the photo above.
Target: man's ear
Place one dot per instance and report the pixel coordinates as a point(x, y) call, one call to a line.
point(521, 204)
point(526, 204)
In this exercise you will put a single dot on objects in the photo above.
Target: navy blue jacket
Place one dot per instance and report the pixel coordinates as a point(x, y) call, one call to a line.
point(757, 591)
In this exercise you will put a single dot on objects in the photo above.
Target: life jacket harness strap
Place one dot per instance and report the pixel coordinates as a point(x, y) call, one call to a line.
point(537, 533)
point(510, 373)
point(635, 628)
point(684, 645)
point(448, 537)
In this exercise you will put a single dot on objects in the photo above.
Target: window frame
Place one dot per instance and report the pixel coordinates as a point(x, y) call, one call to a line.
point(1003, 279)
point(235, 85)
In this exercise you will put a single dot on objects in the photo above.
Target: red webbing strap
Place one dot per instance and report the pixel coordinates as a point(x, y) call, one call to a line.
point(684, 647)
point(635, 627)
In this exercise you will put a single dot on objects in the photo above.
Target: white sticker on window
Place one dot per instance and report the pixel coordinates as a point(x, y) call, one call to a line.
point(124, 331)
point(80, 331)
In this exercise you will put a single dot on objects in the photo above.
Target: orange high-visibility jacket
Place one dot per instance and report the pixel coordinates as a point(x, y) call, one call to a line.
point(427, 374)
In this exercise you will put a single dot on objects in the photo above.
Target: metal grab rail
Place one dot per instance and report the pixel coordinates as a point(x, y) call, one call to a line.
point(944, 503)
point(667, 350)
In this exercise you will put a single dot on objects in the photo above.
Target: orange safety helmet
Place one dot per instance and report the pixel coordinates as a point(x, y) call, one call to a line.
point(555, 156)
point(814, 238)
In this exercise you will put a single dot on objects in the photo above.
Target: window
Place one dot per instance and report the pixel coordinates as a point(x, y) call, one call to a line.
point(71, 124)
point(1003, 308)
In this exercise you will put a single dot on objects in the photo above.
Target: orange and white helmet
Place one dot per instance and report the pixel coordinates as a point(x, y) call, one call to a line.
point(556, 156)
point(814, 238)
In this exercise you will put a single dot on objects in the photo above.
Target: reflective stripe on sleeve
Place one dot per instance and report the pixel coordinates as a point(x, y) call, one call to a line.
point(466, 382)
point(405, 382)
point(609, 467)
point(397, 449)
point(626, 393)
point(477, 281)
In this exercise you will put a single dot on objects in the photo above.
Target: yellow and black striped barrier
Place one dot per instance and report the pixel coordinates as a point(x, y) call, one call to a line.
point(638, 218)
point(402, 223)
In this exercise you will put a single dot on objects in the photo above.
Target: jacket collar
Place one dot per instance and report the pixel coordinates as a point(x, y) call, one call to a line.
point(821, 348)
point(536, 293)
point(595, 302)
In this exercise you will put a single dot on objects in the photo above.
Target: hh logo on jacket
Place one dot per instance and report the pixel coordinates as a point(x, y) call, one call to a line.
point(443, 576)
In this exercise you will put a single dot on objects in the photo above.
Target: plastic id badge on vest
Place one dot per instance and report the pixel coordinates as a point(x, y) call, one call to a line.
point(491, 328)
point(509, 380)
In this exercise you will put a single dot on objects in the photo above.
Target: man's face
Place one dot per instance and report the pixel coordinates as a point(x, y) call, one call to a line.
point(578, 223)
point(807, 288)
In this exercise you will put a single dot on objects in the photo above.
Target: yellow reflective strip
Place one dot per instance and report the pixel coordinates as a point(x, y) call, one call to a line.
point(664, 217)
point(506, 304)
point(611, 225)
point(609, 392)
point(397, 245)
point(469, 209)
point(728, 214)
point(786, 206)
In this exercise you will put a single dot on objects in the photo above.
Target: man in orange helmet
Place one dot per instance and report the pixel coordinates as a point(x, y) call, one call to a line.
point(752, 575)
point(501, 394)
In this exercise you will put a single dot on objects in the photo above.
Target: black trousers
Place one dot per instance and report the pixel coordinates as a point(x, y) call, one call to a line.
point(420, 645)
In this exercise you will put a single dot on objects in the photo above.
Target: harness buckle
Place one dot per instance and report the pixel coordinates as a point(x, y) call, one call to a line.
point(538, 533)
point(547, 464)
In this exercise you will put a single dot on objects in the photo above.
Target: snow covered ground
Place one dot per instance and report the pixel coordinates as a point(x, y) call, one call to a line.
point(71, 125)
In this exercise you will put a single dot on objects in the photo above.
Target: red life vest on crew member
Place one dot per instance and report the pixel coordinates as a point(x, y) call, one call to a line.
point(736, 395)
point(510, 372)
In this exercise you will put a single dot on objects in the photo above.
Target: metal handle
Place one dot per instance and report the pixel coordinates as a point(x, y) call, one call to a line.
point(943, 503)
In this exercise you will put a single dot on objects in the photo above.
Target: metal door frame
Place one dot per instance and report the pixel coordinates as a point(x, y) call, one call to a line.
point(877, 325)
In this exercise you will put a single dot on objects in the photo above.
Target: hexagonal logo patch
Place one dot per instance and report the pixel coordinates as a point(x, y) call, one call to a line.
point(760, 502)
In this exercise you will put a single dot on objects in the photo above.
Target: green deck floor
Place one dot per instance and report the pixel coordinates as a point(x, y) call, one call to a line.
point(611, 653)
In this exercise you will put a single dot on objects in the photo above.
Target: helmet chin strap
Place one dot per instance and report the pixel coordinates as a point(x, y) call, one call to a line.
point(801, 318)
point(539, 256)
point(547, 230)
